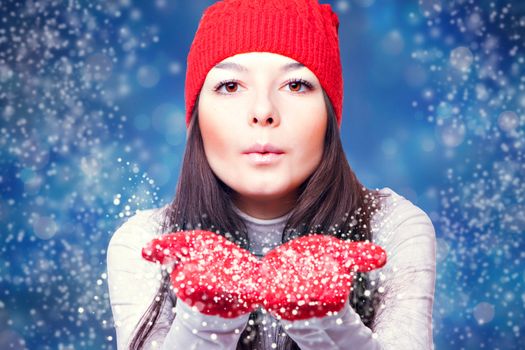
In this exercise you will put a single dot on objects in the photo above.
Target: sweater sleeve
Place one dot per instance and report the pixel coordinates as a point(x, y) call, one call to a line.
point(405, 285)
point(133, 283)
point(194, 330)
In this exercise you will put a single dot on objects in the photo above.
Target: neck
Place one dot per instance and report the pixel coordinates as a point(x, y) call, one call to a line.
point(264, 209)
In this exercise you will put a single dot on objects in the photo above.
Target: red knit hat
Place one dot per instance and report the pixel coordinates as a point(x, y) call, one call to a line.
point(303, 30)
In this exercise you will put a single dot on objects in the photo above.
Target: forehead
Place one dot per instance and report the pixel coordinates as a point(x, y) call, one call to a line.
point(244, 62)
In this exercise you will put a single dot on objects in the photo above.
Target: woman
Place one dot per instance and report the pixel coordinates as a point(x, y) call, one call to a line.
point(263, 72)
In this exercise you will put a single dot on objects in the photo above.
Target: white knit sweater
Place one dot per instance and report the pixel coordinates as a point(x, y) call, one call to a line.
point(405, 284)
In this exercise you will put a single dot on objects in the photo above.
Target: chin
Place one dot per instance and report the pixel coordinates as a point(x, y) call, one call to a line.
point(263, 193)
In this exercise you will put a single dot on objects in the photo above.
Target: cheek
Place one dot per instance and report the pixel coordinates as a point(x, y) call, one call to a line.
point(212, 132)
point(308, 140)
point(312, 144)
point(310, 130)
point(214, 142)
point(218, 139)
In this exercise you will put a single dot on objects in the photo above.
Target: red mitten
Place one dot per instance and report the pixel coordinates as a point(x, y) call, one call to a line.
point(311, 276)
point(210, 272)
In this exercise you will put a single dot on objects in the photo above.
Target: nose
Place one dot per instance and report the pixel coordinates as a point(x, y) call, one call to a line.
point(269, 119)
point(264, 113)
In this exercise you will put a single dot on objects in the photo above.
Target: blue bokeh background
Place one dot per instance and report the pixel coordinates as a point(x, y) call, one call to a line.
point(92, 129)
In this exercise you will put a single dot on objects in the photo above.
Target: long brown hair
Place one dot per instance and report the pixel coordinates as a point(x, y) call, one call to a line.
point(331, 201)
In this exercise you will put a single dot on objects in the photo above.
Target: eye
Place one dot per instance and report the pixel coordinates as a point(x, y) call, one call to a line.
point(296, 83)
point(231, 86)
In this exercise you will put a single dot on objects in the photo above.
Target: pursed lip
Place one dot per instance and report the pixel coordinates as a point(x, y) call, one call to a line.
point(266, 148)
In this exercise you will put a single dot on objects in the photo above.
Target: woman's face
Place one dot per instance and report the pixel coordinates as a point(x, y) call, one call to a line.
point(265, 98)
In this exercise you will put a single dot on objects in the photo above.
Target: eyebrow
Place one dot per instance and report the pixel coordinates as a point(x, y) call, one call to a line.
point(235, 66)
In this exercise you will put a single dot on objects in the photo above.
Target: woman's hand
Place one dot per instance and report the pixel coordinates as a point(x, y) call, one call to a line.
point(311, 276)
point(307, 277)
point(210, 272)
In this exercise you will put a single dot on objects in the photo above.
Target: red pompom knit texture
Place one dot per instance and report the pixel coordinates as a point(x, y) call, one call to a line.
point(303, 30)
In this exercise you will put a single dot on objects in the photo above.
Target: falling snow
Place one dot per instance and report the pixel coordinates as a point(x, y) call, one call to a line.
point(92, 129)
